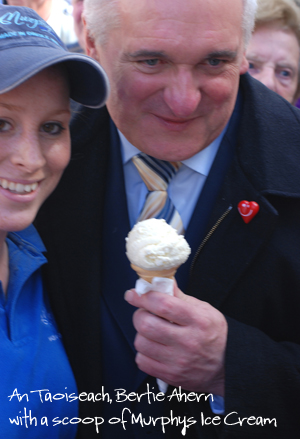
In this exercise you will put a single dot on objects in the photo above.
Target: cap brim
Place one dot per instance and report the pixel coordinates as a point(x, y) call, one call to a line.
point(89, 84)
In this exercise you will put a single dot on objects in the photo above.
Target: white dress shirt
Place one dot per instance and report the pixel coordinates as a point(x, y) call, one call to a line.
point(185, 187)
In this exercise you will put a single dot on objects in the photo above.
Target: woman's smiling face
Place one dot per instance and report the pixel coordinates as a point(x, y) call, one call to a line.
point(34, 145)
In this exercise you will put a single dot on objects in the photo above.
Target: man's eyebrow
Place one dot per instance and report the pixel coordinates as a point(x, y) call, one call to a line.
point(147, 54)
point(229, 54)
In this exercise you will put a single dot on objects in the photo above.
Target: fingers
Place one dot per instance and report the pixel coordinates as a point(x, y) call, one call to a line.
point(154, 368)
point(155, 328)
point(170, 308)
point(180, 340)
point(152, 349)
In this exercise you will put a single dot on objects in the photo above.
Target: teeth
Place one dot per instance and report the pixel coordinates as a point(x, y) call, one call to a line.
point(18, 187)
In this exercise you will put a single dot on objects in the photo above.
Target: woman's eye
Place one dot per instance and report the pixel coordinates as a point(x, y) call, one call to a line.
point(285, 73)
point(52, 128)
point(251, 65)
point(4, 126)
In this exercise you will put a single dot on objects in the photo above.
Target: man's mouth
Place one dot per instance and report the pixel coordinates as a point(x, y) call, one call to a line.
point(18, 188)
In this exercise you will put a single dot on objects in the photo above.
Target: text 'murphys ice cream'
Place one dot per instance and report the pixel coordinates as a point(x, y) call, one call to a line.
point(155, 249)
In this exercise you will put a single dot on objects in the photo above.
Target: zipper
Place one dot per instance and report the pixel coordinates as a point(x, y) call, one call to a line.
point(209, 234)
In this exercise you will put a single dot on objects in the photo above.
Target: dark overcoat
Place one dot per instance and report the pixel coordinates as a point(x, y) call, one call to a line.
point(250, 272)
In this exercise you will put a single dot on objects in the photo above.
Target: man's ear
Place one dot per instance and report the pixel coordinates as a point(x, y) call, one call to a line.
point(244, 64)
point(90, 46)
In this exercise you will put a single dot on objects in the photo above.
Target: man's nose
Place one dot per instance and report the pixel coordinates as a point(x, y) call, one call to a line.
point(27, 153)
point(182, 94)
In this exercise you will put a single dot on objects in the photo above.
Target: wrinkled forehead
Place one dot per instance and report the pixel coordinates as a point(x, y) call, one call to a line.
point(182, 23)
point(194, 11)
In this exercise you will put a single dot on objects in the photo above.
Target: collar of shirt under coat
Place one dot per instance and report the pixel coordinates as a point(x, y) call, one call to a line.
point(185, 187)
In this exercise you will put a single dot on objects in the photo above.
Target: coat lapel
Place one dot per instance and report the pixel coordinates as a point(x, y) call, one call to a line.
point(260, 170)
point(117, 276)
point(232, 245)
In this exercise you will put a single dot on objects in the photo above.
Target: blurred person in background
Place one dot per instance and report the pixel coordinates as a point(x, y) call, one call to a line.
point(57, 13)
point(274, 49)
point(78, 24)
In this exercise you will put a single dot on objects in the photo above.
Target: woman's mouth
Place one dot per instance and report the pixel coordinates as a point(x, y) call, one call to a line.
point(18, 188)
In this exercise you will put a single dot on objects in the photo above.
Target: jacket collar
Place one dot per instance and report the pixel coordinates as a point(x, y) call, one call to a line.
point(269, 126)
point(265, 165)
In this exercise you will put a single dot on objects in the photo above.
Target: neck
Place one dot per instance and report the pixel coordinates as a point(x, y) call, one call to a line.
point(4, 265)
point(43, 8)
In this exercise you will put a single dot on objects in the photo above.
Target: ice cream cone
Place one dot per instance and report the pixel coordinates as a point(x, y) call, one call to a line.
point(148, 275)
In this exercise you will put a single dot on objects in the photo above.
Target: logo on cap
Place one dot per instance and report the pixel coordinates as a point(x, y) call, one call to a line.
point(13, 19)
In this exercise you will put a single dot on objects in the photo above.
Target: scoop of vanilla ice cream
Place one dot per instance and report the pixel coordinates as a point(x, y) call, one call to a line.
point(154, 245)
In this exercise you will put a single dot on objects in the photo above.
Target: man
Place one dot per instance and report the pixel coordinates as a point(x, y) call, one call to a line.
point(274, 49)
point(179, 93)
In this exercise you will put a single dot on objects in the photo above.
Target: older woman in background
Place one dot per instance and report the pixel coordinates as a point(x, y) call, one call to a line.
point(274, 50)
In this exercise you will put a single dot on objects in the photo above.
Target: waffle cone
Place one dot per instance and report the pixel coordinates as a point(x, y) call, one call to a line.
point(148, 275)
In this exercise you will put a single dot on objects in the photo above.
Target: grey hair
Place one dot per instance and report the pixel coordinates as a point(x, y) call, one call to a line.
point(102, 16)
point(250, 7)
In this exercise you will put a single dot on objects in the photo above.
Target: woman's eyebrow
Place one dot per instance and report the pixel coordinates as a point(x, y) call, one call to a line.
point(10, 106)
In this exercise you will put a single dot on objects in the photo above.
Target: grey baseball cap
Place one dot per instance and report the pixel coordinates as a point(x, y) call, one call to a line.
point(28, 45)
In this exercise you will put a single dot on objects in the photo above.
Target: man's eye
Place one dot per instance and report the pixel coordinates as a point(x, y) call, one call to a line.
point(151, 62)
point(251, 65)
point(52, 128)
point(214, 62)
point(4, 126)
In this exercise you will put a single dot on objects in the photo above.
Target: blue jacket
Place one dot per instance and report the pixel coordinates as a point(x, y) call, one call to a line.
point(34, 369)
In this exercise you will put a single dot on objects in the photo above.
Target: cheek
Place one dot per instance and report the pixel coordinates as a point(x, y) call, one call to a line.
point(58, 160)
point(221, 90)
point(295, 84)
point(134, 90)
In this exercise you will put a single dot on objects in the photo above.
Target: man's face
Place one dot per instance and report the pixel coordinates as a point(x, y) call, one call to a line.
point(174, 71)
point(273, 55)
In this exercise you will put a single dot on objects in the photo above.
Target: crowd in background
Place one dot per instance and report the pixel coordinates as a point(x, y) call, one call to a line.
point(64, 16)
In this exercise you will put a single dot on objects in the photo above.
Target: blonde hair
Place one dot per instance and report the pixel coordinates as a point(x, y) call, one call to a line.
point(285, 12)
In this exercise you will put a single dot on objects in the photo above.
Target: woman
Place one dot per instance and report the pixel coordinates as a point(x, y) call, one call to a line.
point(274, 49)
point(38, 395)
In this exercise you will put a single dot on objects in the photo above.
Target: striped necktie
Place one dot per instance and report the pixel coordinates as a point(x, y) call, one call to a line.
point(157, 175)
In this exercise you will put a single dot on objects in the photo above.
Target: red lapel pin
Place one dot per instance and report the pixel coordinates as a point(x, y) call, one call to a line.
point(248, 210)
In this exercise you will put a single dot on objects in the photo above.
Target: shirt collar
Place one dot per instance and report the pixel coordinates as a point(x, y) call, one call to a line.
point(29, 238)
point(200, 162)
